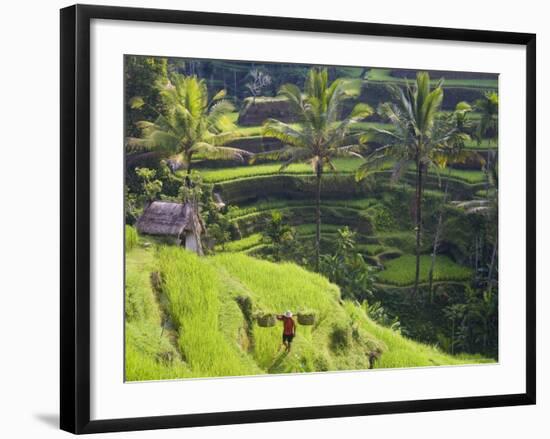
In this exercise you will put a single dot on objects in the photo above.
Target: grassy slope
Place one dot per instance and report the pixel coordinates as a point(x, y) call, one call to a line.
point(145, 346)
point(244, 244)
point(213, 338)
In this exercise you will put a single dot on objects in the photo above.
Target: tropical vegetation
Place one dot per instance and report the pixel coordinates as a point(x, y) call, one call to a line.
point(363, 198)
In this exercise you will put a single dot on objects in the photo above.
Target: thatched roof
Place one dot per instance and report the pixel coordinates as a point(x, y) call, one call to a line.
point(166, 218)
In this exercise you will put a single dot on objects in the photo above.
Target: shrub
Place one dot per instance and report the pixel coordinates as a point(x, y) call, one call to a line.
point(382, 217)
point(131, 238)
point(151, 187)
point(321, 362)
point(347, 267)
point(245, 304)
point(132, 211)
point(379, 314)
point(340, 337)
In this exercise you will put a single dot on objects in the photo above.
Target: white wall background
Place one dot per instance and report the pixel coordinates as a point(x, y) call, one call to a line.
point(29, 249)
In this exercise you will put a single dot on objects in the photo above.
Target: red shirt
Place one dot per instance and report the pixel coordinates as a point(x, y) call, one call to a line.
point(288, 325)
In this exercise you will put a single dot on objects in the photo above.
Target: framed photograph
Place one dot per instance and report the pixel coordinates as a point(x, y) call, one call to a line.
point(268, 219)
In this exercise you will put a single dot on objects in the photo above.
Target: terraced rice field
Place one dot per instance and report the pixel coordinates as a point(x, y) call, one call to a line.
point(343, 166)
point(400, 271)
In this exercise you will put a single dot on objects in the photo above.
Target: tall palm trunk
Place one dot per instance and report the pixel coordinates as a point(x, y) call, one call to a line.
point(492, 265)
point(318, 218)
point(188, 173)
point(418, 225)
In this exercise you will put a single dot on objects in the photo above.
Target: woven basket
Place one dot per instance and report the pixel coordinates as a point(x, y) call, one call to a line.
point(306, 319)
point(266, 320)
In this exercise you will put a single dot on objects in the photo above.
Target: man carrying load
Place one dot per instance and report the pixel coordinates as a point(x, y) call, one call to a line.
point(289, 329)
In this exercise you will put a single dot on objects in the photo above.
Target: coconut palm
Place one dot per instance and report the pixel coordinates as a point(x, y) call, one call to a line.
point(322, 134)
point(190, 123)
point(488, 107)
point(451, 151)
point(488, 207)
point(417, 140)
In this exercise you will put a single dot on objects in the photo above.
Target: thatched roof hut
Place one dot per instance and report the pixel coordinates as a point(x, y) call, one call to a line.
point(178, 221)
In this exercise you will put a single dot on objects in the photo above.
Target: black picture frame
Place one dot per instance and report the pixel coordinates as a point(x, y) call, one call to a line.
point(75, 217)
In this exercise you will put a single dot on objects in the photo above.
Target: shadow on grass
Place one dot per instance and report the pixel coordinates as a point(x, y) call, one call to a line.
point(275, 367)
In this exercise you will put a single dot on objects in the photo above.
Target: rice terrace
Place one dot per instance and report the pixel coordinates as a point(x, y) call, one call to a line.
point(289, 218)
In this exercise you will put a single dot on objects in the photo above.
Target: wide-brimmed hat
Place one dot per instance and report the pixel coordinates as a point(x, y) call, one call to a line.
point(288, 314)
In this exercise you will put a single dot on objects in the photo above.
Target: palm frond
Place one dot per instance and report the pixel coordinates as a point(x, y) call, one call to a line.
point(294, 96)
point(219, 95)
point(220, 139)
point(386, 135)
point(374, 162)
point(297, 154)
point(136, 102)
point(283, 132)
point(218, 119)
point(134, 144)
point(221, 152)
point(361, 111)
point(220, 108)
point(347, 150)
point(187, 124)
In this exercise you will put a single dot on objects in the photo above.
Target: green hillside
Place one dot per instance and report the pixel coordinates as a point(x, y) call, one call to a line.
point(195, 317)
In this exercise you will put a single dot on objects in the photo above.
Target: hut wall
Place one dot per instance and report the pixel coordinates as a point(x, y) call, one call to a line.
point(191, 242)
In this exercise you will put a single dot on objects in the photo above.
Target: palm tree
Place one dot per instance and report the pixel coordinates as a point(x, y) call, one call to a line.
point(452, 151)
point(488, 207)
point(417, 137)
point(190, 124)
point(322, 135)
point(488, 107)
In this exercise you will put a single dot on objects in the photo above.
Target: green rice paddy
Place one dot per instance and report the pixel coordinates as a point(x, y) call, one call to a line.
point(211, 335)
